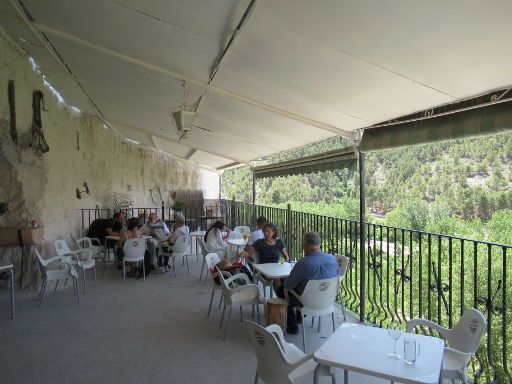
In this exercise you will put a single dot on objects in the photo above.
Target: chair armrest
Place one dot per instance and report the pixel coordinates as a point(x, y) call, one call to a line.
point(413, 323)
point(461, 355)
point(215, 250)
point(259, 277)
point(84, 251)
point(95, 239)
point(249, 287)
point(86, 240)
point(287, 294)
point(274, 328)
point(60, 259)
point(301, 361)
point(239, 276)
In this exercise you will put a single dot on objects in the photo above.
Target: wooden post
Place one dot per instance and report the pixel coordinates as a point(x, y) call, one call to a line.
point(276, 312)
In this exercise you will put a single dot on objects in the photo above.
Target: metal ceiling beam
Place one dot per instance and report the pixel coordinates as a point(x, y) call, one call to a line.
point(226, 92)
point(151, 134)
point(191, 153)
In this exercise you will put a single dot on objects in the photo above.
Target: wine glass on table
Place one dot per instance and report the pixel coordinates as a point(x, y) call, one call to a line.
point(394, 332)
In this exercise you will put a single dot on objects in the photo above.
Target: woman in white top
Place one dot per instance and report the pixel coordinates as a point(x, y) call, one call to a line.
point(180, 230)
point(213, 237)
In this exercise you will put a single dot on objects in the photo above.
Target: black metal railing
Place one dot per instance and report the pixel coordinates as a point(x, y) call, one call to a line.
point(195, 217)
point(410, 273)
point(407, 273)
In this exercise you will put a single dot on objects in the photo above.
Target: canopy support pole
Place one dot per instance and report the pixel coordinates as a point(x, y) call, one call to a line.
point(253, 199)
point(362, 258)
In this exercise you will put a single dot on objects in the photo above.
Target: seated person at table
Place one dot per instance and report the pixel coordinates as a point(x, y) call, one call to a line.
point(115, 225)
point(180, 230)
point(270, 248)
point(159, 232)
point(131, 233)
point(315, 265)
point(258, 233)
point(214, 240)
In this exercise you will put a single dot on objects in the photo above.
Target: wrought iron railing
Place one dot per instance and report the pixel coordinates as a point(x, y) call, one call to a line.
point(410, 273)
point(407, 273)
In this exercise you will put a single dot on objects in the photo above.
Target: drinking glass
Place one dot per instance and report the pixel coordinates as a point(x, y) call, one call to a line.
point(246, 237)
point(411, 351)
point(394, 332)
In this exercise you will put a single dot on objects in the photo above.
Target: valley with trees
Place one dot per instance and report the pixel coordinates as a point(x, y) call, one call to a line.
point(460, 187)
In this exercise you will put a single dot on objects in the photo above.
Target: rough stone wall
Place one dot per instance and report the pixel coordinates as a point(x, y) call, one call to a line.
point(43, 187)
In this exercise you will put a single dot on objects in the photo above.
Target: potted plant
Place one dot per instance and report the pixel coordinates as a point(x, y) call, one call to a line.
point(178, 208)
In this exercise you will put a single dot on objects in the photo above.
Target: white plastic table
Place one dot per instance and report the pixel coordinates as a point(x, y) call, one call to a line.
point(274, 270)
point(197, 235)
point(364, 349)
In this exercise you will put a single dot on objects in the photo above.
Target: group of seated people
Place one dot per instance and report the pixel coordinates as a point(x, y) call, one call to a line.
point(315, 264)
point(264, 241)
point(161, 236)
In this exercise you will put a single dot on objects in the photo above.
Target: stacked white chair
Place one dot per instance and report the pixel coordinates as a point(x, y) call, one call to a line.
point(238, 296)
point(280, 362)
point(463, 341)
point(97, 251)
point(54, 269)
point(81, 258)
point(317, 300)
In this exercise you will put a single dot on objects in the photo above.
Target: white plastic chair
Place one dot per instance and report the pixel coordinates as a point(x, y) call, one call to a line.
point(239, 232)
point(463, 341)
point(280, 362)
point(343, 262)
point(54, 269)
point(212, 259)
point(317, 300)
point(9, 268)
point(97, 251)
point(81, 258)
point(134, 250)
point(205, 251)
point(258, 278)
point(180, 248)
point(238, 295)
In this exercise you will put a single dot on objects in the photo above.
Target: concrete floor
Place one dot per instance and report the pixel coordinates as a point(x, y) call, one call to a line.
point(153, 331)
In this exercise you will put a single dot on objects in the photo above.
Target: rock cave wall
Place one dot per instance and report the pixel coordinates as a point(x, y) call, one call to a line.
point(43, 187)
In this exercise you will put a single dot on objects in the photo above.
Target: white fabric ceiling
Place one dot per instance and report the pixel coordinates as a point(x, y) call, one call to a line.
point(299, 72)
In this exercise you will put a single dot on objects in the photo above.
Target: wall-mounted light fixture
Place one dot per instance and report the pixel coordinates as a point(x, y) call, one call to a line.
point(79, 192)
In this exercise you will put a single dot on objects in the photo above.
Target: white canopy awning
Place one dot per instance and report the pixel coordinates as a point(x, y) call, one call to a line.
point(299, 71)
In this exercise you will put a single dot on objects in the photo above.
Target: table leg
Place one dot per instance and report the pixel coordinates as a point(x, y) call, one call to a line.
point(12, 292)
point(345, 376)
point(317, 371)
point(20, 241)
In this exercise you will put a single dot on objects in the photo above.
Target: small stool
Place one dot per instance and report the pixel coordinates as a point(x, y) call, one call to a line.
point(276, 312)
point(9, 268)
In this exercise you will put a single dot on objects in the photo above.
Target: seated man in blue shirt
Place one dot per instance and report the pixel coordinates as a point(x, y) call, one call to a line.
point(316, 265)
